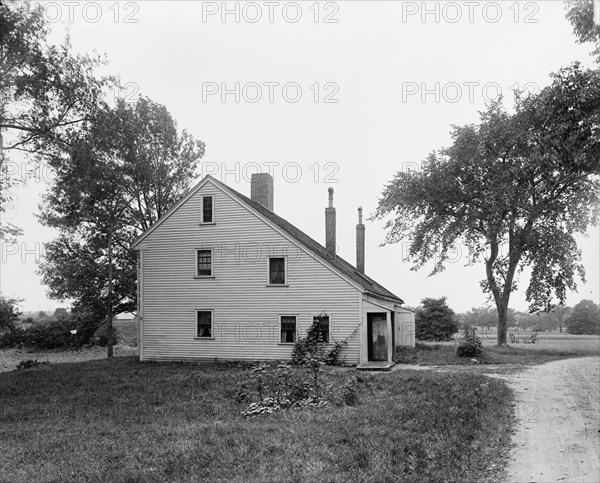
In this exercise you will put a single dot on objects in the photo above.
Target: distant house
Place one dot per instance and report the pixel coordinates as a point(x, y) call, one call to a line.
point(222, 276)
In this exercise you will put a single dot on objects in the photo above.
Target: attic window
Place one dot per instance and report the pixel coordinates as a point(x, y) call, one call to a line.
point(277, 271)
point(207, 209)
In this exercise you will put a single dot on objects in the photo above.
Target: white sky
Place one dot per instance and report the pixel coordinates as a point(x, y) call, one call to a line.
point(402, 73)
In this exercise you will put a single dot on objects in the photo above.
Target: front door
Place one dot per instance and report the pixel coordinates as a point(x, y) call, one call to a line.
point(377, 336)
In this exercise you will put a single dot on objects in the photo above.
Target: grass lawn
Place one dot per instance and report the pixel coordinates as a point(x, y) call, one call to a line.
point(122, 420)
point(544, 350)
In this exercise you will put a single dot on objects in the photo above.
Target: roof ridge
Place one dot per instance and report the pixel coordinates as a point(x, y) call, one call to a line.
point(314, 246)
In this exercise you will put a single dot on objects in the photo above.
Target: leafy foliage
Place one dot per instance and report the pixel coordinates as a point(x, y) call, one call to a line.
point(434, 320)
point(514, 190)
point(71, 331)
point(272, 389)
point(469, 344)
point(312, 350)
point(29, 363)
point(585, 318)
point(485, 317)
point(48, 93)
point(128, 169)
point(581, 15)
point(9, 313)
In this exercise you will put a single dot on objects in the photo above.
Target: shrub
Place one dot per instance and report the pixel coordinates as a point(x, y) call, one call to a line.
point(12, 338)
point(269, 389)
point(312, 348)
point(469, 344)
point(52, 334)
point(28, 364)
point(585, 319)
point(435, 321)
point(9, 313)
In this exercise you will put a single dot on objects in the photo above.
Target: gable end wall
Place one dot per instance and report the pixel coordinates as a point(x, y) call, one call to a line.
point(246, 311)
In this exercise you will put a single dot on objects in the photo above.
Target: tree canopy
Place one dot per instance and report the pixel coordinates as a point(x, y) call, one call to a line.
point(9, 312)
point(585, 318)
point(128, 168)
point(48, 93)
point(581, 15)
point(513, 190)
point(434, 320)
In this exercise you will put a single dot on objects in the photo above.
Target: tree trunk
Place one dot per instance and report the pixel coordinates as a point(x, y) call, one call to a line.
point(502, 321)
point(110, 342)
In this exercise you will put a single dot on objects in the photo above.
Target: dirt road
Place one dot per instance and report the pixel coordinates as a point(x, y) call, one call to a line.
point(558, 433)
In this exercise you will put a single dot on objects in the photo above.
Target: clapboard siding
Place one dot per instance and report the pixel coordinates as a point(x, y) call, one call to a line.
point(246, 311)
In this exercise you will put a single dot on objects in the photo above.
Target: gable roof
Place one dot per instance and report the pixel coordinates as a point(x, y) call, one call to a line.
point(320, 252)
point(369, 285)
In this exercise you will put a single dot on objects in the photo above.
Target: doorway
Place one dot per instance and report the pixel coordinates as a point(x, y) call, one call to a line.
point(377, 336)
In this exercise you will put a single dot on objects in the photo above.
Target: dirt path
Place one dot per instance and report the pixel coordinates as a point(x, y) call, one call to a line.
point(558, 433)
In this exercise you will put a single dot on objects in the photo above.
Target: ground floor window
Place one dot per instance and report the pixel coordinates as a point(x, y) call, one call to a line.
point(204, 323)
point(323, 321)
point(288, 329)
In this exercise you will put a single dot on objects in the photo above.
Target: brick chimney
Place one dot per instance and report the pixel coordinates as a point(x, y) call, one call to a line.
point(261, 189)
point(330, 227)
point(360, 243)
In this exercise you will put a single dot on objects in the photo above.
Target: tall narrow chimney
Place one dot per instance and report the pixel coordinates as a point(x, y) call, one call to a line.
point(330, 227)
point(360, 243)
point(261, 189)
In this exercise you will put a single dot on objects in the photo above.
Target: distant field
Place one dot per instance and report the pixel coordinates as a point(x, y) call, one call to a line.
point(541, 335)
point(579, 344)
point(546, 349)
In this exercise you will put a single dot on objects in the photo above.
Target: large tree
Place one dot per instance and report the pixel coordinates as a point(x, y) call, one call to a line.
point(581, 15)
point(130, 167)
point(434, 320)
point(47, 93)
point(514, 191)
point(585, 318)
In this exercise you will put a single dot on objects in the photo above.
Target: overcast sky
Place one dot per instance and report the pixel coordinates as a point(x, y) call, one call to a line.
point(341, 94)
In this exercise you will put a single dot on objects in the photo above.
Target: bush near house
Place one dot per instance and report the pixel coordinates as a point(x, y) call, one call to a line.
point(435, 321)
point(468, 345)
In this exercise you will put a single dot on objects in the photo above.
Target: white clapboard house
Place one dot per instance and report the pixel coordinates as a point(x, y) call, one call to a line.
point(222, 276)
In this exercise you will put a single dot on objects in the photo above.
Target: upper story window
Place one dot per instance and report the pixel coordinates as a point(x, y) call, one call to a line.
point(204, 266)
point(207, 209)
point(277, 275)
point(323, 321)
